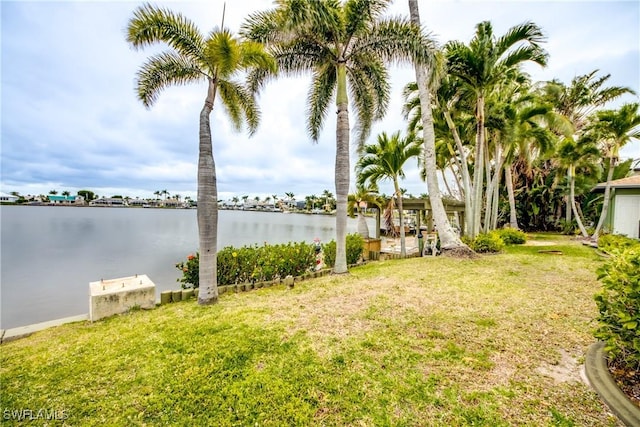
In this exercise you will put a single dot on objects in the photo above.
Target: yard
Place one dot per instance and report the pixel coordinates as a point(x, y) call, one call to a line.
point(497, 340)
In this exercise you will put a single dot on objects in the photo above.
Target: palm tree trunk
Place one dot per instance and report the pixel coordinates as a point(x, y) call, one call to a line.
point(464, 170)
point(478, 170)
point(363, 228)
point(496, 200)
point(513, 217)
point(403, 238)
point(449, 240)
point(572, 200)
point(342, 170)
point(207, 207)
point(605, 202)
point(446, 183)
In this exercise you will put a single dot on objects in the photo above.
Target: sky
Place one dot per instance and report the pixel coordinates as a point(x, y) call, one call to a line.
point(71, 119)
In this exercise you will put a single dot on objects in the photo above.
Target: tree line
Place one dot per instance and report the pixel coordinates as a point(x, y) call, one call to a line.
point(472, 110)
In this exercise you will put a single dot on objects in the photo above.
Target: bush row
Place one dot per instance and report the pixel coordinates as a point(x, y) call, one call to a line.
point(268, 262)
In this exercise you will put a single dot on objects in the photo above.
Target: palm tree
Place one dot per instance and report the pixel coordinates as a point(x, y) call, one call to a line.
point(53, 192)
point(480, 66)
point(66, 193)
point(215, 60)
point(359, 202)
point(327, 196)
point(615, 128)
point(384, 161)
point(577, 101)
point(575, 155)
point(448, 238)
point(345, 46)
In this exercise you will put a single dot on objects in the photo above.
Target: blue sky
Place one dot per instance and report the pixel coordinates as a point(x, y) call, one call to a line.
point(71, 120)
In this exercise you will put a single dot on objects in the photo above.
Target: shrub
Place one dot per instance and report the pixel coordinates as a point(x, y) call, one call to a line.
point(619, 306)
point(252, 264)
point(512, 236)
point(355, 246)
point(611, 242)
point(189, 270)
point(487, 243)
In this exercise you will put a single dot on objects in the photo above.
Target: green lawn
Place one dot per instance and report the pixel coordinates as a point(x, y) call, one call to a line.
point(425, 341)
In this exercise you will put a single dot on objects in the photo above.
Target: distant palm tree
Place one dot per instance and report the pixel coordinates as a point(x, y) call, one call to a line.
point(345, 46)
point(384, 161)
point(359, 201)
point(66, 193)
point(215, 60)
point(53, 192)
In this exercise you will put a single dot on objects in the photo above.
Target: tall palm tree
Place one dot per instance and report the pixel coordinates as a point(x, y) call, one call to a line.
point(578, 100)
point(572, 156)
point(480, 66)
point(345, 46)
point(449, 240)
point(384, 161)
point(191, 58)
point(615, 128)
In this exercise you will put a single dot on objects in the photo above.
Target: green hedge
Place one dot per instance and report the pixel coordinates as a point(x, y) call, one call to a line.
point(268, 262)
point(611, 242)
point(355, 247)
point(252, 264)
point(619, 306)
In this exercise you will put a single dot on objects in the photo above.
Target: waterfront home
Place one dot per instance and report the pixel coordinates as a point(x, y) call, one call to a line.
point(65, 200)
point(8, 198)
point(108, 201)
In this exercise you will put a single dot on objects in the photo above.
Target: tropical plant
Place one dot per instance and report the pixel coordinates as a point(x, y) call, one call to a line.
point(345, 45)
point(618, 304)
point(355, 248)
point(384, 161)
point(192, 57)
point(582, 155)
point(614, 129)
point(359, 201)
point(480, 66)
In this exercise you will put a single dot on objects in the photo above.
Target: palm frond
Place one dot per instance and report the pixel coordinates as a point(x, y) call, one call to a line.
point(164, 70)
point(319, 98)
point(151, 25)
point(239, 104)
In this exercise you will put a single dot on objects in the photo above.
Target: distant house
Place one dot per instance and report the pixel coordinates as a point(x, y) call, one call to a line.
point(65, 200)
point(108, 201)
point(8, 198)
point(623, 216)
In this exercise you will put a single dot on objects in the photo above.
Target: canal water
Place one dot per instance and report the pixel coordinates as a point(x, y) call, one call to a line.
point(48, 255)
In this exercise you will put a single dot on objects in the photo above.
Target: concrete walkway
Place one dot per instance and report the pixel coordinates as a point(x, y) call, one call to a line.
point(23, 331)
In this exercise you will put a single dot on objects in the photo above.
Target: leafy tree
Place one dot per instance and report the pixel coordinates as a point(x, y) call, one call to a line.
point(345, 46)
point(87, 195)
point(384, 161)
point(192, 57)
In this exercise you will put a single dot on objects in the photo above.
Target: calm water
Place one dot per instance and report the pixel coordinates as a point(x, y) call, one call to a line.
point(50, 254)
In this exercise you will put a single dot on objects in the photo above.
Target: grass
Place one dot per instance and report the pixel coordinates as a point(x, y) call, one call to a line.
point(494, 341)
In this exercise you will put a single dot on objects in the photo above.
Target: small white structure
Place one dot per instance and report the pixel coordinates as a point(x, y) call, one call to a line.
point(116, 296)
point(623, 216)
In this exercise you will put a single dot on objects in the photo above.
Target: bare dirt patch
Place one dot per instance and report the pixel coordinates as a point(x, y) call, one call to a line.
point(565, 370)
